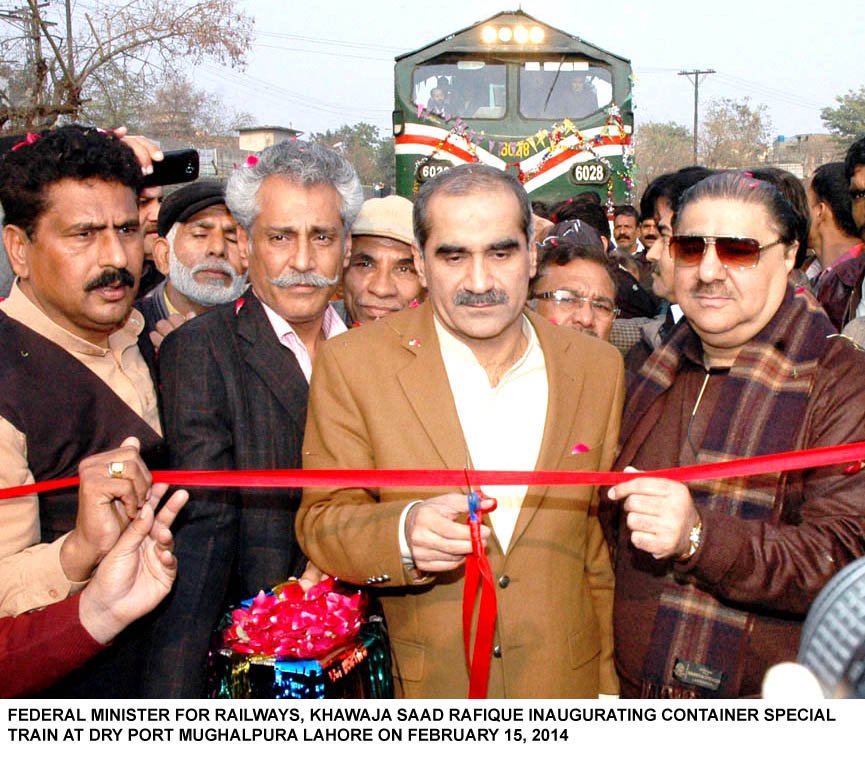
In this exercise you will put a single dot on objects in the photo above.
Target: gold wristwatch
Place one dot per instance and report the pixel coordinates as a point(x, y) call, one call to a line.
point(695, 537)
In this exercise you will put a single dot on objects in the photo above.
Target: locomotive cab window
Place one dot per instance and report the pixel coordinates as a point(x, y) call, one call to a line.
point(461, 89)
point(554, 89)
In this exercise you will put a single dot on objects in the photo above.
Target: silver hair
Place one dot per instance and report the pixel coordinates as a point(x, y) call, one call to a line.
point(302, 162)
point(172, 235)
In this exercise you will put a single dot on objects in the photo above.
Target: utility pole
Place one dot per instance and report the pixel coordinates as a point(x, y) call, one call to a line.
point(696, 75)
point(70, 60)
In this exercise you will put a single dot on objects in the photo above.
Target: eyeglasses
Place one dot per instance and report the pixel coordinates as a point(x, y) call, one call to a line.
point(732, 251)
point(601, 308)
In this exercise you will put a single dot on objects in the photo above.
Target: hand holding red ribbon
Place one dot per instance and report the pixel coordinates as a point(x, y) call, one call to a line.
point(477, 565)
point(843, 454)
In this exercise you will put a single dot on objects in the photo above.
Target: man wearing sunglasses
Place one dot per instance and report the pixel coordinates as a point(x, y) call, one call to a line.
point(714, 577)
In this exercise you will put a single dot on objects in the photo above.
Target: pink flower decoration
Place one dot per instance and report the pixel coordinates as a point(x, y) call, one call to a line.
point(294, 623)
point(414, 303)
point(414, 342)
point(238, 304)
point(579, 449)
point(251, 160)
point(28, 141)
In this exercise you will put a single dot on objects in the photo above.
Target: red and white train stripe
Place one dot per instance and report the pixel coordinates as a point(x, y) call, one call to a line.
point(542, 166)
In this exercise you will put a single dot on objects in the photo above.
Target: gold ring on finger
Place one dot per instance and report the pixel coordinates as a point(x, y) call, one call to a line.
point(115, 469)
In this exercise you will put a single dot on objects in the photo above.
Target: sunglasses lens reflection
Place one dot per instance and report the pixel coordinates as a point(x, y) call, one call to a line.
point(733, 252)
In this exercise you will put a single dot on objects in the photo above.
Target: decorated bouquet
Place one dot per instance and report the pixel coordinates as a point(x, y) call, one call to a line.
point(291, 622)
point(288, 643)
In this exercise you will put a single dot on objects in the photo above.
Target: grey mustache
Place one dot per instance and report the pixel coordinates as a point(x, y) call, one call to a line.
point(310, 279)
point(490, 297)
point(215, 264)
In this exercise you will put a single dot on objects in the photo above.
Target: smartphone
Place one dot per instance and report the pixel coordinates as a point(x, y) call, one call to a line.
point(177, 167)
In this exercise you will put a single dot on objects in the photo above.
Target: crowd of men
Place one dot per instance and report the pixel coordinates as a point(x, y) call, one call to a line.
point(288, 323)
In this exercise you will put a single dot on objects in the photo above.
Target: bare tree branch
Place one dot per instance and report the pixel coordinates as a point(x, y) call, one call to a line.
point(135, 35)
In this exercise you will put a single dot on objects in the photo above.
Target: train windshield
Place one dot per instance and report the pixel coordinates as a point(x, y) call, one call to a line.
point(553, 89)
point(469, 88)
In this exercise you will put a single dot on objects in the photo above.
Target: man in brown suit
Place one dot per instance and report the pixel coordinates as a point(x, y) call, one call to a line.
point(471, 375)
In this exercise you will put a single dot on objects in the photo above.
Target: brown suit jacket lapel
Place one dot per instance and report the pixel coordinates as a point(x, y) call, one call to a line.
point(427, 389)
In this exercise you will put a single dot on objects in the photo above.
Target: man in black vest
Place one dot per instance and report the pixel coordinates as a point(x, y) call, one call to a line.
point(74, 380)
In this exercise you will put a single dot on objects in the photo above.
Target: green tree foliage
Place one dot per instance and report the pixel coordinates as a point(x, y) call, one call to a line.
point(371, 153)
point(661, 147)
point(847, 120)
point(734, 134)
point(117, 52)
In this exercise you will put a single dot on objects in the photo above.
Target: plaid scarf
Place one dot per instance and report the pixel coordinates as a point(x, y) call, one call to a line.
point(696, 648)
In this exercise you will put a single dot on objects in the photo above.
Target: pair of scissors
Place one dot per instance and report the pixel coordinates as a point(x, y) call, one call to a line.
point(475, 496)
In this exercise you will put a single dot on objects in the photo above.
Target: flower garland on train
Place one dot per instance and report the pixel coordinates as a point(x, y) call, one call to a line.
point(459, 130)
point(613, 127)
point(553, 141)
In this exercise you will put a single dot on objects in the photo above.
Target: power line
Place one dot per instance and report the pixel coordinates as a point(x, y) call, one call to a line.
point(768, 91)
point(324, 52)
point(280, 95)
point(329, 42)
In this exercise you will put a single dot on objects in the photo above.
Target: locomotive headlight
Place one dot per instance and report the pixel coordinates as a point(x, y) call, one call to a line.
point(519, 34)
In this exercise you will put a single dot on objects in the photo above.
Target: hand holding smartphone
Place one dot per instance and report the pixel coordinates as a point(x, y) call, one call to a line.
point(177, 167)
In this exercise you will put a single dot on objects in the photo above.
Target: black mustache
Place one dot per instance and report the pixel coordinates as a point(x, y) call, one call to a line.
point(109, 277)
point(710, 289)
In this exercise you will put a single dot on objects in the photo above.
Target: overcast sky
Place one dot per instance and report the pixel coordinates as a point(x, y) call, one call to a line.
point(318, 65)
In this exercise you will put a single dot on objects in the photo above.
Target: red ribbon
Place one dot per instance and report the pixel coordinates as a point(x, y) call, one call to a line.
point(281, 479)
point(478, 571)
